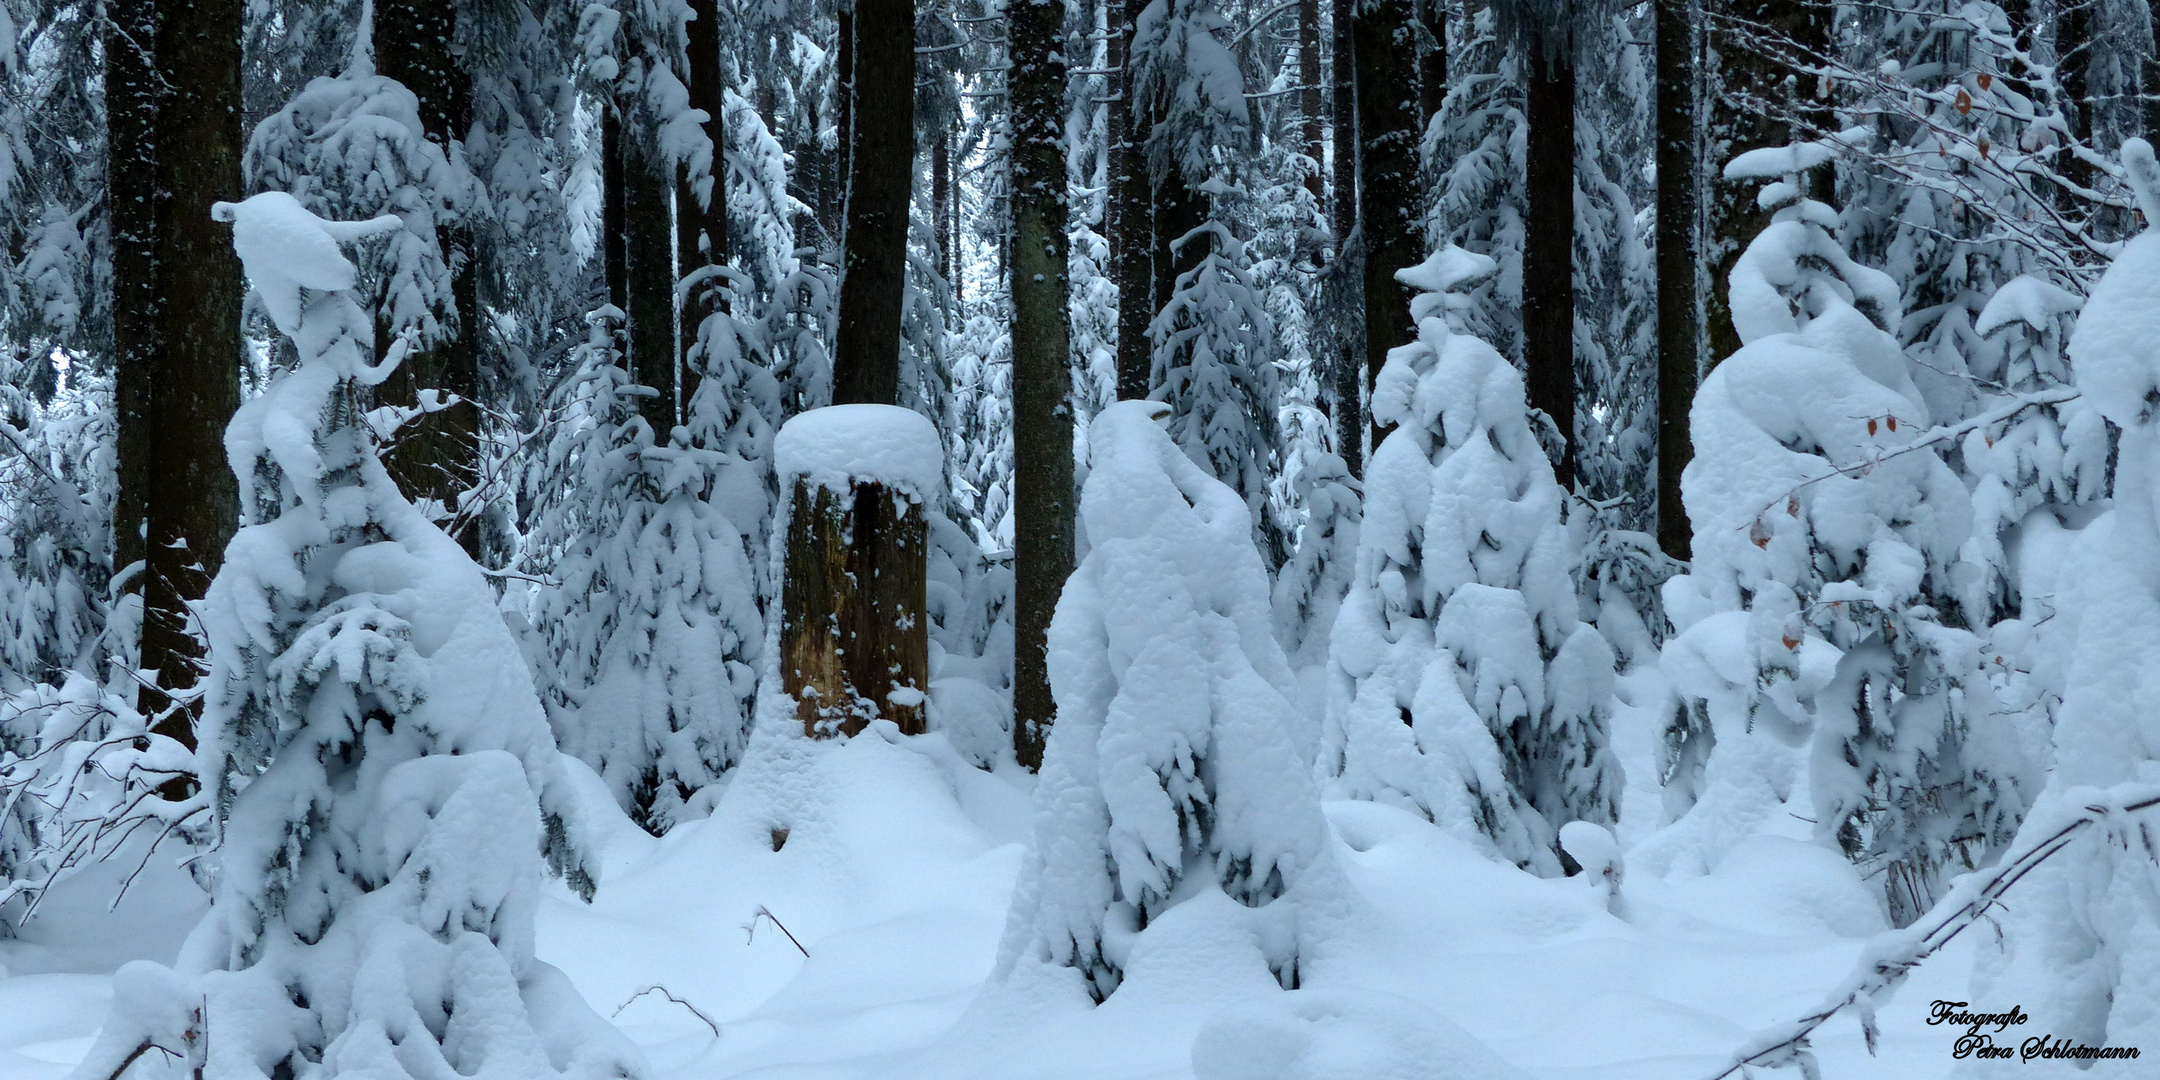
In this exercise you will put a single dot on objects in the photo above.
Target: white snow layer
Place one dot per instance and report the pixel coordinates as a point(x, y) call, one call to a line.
point(839, 444)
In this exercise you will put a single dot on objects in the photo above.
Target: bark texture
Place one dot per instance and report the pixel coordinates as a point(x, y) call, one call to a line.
point(1129, 214)
point(1548, 308)
point(649, 268)
point(854, 610)
point(1346, 339)
point(701, 224)
point(190, 503)
point(1042, 367)
point(881, 173)
point(1679, 212)
point(1385, 54)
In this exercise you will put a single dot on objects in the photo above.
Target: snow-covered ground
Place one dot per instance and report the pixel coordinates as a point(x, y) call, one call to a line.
point(895, 874)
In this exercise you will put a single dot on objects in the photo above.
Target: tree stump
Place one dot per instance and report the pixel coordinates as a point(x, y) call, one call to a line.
point(854, 627)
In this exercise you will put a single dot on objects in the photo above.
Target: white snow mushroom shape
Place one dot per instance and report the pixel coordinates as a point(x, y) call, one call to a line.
point(1825, 527)
point(1466, 687)
point(2080, 941)
point(373, 747)
point(1171, 768)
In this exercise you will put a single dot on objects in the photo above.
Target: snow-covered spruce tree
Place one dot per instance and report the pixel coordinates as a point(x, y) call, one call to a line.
point(1212, 340)
point(1172, 769)
point(1466, 687)
point(1826, 522)
point(379, 767)
point(655, 629)
point(2081, 937)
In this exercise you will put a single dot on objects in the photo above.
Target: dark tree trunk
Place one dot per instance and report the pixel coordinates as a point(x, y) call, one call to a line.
point(941, 209)
point(1042, 367)
point(2073, 58)
point(701, 225)
point(856, 568)
point(1737, 126)
point(881, 173)
point(1385, 49)
point(1312, 119)
point(1679, 209)
point(1432, 63)
point(1548, 306)
point(131, 175)
point(1178, 211)
point(437, 458)
point(1128, 214)
point(1346, 340)
point(649, 252)
point(193, 504)
point(615, 256)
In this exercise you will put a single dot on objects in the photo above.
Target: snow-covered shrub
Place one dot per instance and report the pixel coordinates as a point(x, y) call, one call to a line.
point(1310, 590)
point(1171, 766)
point(2080, 937)
point(381, 772)
point(655, 629)
point(1466, 686)
point(969, 597)
point(1826, 522)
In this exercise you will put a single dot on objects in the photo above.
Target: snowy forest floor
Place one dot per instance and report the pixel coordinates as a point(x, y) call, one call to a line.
point(897, 885)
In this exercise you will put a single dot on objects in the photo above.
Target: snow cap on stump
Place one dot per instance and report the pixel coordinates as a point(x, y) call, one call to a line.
point(837, 445)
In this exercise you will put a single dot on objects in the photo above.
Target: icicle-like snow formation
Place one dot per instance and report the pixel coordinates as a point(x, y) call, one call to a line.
point(1466, 687)
point(377, 759)
point(1171, 768)
point(2080, 941)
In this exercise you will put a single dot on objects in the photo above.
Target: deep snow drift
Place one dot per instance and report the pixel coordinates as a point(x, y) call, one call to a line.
point(894, 868)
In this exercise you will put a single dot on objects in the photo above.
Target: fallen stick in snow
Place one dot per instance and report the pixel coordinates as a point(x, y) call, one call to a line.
point(762, 913)
point(1887, 959)
point(663, 991)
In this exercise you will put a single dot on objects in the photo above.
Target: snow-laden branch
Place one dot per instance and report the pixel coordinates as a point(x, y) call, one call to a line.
point(1886, 960)
point(2054, 395)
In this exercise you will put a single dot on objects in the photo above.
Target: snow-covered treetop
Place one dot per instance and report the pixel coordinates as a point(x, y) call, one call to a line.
point(284, 248)
point(886, 444)
point(2117, 345)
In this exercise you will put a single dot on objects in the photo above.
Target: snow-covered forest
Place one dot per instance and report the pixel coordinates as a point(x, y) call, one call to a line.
point(1079, 539)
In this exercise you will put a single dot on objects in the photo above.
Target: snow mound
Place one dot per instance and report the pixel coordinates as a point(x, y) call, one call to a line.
point(841, 443)
point(1341, 1035)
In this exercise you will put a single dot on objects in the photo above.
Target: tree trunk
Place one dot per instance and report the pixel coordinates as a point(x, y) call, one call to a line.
point(1385, 50)
point(649, 254)
point(1311, 119)
point(1347, 337)
point(193, 500)
point(941, 209)
point(1679, 209)
point(437, 457)
point(856, 568)
point(1042, 368)
point(131, 176)
point(881, 174)
point(1128, 213)
point(615, 255)
point(1548, 306)
point(1737, 126)
point(1178, 211)
point(1432, 63)
point(701, 224)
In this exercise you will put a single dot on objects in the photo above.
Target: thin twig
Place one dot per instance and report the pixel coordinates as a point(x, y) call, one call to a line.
point(663, 991)
point(763, 913)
